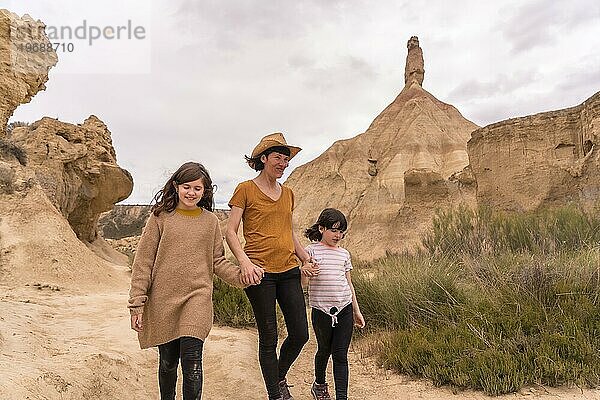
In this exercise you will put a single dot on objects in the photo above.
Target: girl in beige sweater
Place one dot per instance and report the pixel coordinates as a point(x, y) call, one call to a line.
point(172, 278)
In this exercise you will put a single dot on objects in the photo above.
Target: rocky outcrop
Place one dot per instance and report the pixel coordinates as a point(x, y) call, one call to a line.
point(23, 67)
point(415, 65)
point(389, 179)
point(126, 245)
point(540, 160)
point(76, 166)
point(55, 179)
point(123, 221)
point(37, 244)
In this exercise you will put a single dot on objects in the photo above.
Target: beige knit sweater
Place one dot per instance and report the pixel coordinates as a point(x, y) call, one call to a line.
point(172, 276)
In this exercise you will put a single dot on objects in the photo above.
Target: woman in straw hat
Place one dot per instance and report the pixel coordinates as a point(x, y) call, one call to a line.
point(269, 259)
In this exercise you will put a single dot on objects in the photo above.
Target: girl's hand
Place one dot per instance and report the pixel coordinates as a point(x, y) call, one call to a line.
point(251, 273)
point(136, 322)
point(258, 273)
point(359, 320)
point(310, 268)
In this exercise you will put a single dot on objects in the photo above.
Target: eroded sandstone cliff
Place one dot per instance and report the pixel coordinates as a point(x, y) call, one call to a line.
point(389, 179)
point(123, 221)
point(23, 71)
point(540, 160)
point(55, 178)
point(77, 168)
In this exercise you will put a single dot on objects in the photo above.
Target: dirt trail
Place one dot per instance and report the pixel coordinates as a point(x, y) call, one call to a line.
point(56, 344)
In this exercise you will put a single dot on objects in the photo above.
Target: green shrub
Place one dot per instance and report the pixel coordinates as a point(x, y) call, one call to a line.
point(496, 302)
point(463, 231)
point(524, 323)
point(231, 306)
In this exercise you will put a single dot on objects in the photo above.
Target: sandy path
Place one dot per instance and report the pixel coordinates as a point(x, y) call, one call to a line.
point(60, 345)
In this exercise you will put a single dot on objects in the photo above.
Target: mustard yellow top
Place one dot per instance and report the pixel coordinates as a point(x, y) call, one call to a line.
point(189, 213)
point(267, 226)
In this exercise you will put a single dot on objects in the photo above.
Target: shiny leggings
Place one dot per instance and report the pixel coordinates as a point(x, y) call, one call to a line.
point(189, 349)
point(284, 288)
point(334, 342)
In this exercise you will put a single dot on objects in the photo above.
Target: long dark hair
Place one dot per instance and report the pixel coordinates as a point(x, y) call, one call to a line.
point(328, 219)
point(167, 199)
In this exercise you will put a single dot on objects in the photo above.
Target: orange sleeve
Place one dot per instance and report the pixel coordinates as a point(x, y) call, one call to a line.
point(239, 197)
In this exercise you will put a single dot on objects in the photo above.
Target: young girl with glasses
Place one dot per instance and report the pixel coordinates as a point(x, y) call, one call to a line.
point(334, 308)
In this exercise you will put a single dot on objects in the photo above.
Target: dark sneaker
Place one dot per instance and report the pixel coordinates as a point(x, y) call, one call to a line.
point(285, 391)
point(319, 391)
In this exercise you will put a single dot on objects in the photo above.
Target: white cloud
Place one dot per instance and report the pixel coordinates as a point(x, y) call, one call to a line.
point(225, 73)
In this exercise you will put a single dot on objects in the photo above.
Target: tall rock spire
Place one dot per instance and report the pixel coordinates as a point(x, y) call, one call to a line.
point(390, 179)
point(415, 66)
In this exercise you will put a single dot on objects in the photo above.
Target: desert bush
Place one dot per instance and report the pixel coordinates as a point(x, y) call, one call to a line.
point(522, 310)
point(231, 306)
point(10, 127)
point(483, 231)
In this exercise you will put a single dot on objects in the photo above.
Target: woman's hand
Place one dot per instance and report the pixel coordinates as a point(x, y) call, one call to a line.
point(136, 322)
point(252, 274)
point(310, 268)
point(359, 320)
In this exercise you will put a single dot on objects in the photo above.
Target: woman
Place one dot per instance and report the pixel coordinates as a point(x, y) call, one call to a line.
point(265, 207)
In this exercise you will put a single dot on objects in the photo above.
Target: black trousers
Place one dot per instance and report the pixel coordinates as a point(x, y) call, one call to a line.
point(334, 342)
point(285, 289)
point(189, 350)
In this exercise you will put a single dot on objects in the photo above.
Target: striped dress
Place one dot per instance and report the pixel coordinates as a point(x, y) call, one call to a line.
point(329, 291)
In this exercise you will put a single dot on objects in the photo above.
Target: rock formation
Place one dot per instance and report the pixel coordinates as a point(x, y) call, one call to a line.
point(76, 166)
point(37, 244)
point(539, 160)
point(123, 221)
point(23, 71)
point(415, 65)
point(389, 179)
point(55, 178)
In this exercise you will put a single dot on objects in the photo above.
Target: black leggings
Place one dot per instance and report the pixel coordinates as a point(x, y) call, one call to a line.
point(333, 341)
point(284, 288)
point(189, 349)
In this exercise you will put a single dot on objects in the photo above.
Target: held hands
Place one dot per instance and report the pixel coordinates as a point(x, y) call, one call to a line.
point(136, 322)
point(252, 274)
point(310, 268)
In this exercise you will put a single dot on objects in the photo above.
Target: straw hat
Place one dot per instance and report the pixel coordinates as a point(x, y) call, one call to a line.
point(273, 140)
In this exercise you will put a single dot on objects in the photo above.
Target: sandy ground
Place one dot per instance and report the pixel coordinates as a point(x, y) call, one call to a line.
point(59, 344)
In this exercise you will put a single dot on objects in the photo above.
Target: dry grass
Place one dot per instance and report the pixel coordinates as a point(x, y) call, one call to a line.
point(521, 310)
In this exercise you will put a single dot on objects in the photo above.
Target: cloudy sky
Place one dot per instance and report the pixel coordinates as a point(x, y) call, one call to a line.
point(205, 79)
